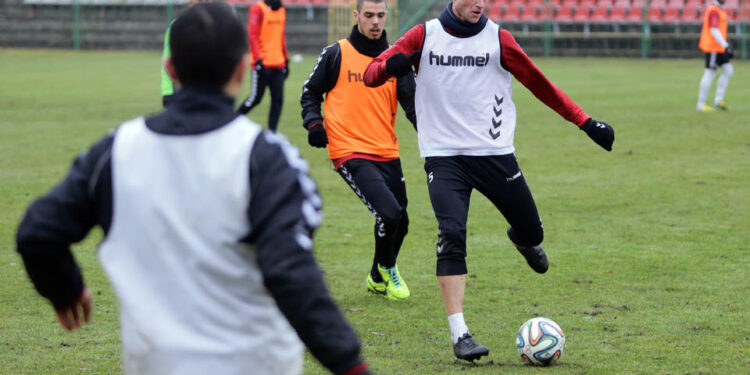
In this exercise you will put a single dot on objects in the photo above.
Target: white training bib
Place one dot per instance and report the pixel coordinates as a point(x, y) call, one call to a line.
point(463, 97)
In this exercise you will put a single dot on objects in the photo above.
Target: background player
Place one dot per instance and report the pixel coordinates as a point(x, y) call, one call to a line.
point(359, 131)
point(718, 53)
point(269, 57)
point(467, 122)
point(207, 223)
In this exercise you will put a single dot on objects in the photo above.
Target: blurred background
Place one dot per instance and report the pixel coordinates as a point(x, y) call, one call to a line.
point(616, 28)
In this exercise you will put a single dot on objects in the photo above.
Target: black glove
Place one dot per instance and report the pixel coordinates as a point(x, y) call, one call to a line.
point(400, 64)
point(259, 66)
point(316, 135)
point(600, 132)
point(286, 69)
point(729, 52)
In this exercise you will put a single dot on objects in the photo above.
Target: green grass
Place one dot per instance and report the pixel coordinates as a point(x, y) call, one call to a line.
point(648, 244)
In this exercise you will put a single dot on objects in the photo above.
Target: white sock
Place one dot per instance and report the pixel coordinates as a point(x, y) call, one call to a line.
point(706, 81)
point(721, 86)
point(458, 326)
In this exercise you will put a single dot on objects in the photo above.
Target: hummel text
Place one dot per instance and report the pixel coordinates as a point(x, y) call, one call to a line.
point(459, 60)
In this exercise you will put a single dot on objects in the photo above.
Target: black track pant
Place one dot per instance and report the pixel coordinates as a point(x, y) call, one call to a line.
point(451, 180)
point(274, 80)
point(381, 187)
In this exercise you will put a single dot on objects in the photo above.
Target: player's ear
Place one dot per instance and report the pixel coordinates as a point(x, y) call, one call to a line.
point(169, 67)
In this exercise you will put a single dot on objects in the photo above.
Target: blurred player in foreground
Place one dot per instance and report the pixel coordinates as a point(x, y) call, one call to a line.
point(208, 223)
point(467, 121)
point(718, 52)
point(359, 130)
point(270, 59)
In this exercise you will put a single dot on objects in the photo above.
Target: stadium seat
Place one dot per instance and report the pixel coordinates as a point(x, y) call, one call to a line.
point(635, 14)
point(587, 3)
point(607, 3)
point(599, 14)
point(654, 14)
point(691, 13)
point(512, 14)
point(622, 3)
point(530, 13)
point(494, 12)
point(581, 14)
point(671, 15)
point(658, 4)
point(570, 3)
point(675, 3)
point(537, 3)
point(617, 14)
point(564, 13)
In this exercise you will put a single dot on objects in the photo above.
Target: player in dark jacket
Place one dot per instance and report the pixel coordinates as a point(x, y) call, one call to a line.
point(359, 131)
point(208, 222)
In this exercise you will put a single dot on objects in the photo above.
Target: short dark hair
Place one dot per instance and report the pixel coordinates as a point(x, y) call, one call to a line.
point(360, 2)
point(207, 42)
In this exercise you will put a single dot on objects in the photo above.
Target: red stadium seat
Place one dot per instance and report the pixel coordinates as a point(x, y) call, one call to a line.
point(607, 3)
point(635, 14)
point(654, 15)
point(587, 3)
point(570, 3)
point(512, 13)
point(691, 13)
point(537, 3)
point(494, 12)
point(617, 14)
point(564, 13)
point(581, 14)
point(671, 15)
point(658, 3)
point(600, 13)
point(675, 3)
point(530, 13)
point(622, 3)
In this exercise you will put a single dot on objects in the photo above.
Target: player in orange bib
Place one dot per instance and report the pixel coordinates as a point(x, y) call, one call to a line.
point(359, 132)
point(270, 59)
point(718, 53)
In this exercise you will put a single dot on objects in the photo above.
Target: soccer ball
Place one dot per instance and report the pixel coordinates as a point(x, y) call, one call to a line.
point(540, 341)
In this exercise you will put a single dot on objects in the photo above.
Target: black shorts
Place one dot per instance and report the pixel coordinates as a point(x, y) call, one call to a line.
point(451, 180)
point(715, 60)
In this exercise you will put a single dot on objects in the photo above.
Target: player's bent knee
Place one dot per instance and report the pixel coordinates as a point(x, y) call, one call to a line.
point(526, 238)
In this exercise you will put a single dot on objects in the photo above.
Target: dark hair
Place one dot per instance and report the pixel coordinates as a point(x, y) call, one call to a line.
point(360, 2)
point(207, 42)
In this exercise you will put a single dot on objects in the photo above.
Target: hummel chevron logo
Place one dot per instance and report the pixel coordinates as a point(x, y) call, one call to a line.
point(496, 120)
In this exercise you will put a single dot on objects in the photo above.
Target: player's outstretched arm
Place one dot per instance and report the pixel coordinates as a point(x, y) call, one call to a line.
point(406, 47)
point(515, 60)
point(283, 213)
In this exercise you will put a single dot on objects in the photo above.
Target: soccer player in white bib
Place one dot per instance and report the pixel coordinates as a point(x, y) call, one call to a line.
point(208, 222)
point(466, 121)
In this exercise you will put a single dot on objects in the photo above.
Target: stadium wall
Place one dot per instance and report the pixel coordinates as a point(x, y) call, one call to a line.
point(132, 26)
point(140, 24)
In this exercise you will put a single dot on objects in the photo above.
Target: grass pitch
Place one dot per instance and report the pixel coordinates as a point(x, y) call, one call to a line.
point(648, 244)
